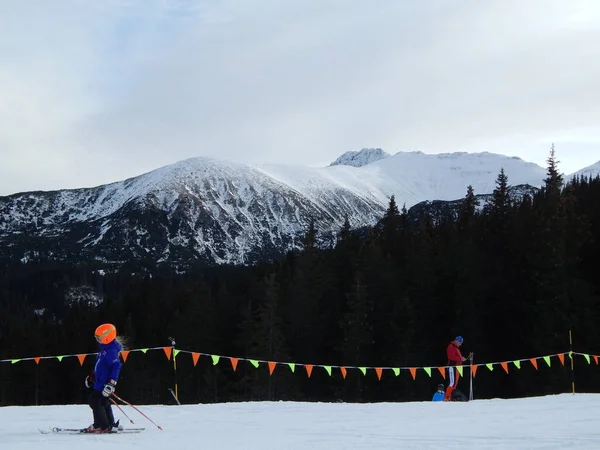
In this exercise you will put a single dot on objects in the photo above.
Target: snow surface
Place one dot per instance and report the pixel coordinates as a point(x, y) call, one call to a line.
point(411, 177)
point(589, 171)
point(554, 422)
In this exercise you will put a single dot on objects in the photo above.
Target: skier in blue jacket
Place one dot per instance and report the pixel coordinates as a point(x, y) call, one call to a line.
point(440, 394)
point(103, 379)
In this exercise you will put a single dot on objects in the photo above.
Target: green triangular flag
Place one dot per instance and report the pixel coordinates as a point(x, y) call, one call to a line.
point(363, 370)
point(547, 359)
point(175, 353)
point(143, 350)
point(254, 362)
point(587, 357)
point(328, 369)
point(517, 364)
point(215, 359)
point(460, 370)
point(427, 371)
point(292, 367)
point(490, 366)
point(60, 358)
point(396, 371)
point(14, 361)
point(571, 355)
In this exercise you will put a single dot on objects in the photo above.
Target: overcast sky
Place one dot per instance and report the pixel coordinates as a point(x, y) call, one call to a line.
point(98, 91)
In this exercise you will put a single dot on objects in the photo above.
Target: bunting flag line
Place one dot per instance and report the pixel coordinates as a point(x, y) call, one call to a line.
point(172, 353)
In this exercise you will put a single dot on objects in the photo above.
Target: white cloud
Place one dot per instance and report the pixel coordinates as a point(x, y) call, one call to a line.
point(93, 92)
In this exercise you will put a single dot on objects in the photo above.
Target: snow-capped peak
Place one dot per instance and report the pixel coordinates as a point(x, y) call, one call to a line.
point(361, 158)
point(589, 171)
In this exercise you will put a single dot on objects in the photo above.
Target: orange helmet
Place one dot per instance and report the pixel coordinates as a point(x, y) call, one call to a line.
point(105, 333)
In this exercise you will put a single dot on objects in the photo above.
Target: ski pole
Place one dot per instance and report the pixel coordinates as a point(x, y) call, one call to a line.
point(471, 381)
point(121, 409)
point(127, 403)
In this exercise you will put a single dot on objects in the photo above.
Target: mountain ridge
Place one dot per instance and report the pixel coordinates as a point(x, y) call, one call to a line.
point(216, 211)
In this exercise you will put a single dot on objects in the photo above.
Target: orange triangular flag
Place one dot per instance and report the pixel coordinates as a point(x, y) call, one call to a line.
point(596, 359)
point(561, 357)
point(195, 358)
point(125, 354)
point(534, 362)
point(272, 367)
point(344, 372)
point(81, 358)
point(37, 359)
point(168, 351)
point(234, 362)
point(443, 372)
point(413, 371)
point(474, 370)
point(504, 366)
point(379, 372)
point(309, 368)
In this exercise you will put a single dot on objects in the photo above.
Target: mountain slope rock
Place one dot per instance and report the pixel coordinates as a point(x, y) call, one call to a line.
point(212, 211)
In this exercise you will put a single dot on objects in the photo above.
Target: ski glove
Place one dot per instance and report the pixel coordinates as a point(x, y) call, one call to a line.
point(89, 380)
point(109, 388)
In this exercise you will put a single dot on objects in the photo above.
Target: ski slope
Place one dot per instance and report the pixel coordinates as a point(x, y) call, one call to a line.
point(554, 422)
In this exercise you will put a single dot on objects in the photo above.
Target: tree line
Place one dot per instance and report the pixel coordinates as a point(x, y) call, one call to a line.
point(512, 277)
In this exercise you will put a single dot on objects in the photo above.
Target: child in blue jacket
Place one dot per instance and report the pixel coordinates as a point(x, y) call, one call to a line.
point(440, 394)
point(103, 379)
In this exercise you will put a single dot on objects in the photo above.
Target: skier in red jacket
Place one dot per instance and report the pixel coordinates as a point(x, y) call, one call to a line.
point(455, 358)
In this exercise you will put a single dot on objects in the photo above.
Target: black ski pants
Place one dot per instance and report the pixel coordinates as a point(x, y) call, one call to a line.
point(102, 410)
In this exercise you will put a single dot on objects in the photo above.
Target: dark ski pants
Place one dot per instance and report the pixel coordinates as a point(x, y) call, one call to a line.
point(103, 415)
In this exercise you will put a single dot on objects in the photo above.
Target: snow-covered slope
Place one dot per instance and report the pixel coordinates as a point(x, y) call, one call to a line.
point(589, 171)
point(553, 422)
point(411, 176)
point(209, 210)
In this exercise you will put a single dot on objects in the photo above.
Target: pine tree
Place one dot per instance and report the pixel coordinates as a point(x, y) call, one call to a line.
point(267, 342)
point(309, 240)
point(468, 209)
point(357, 332)
point(553, 183)
point(500, 201)
point(470, 203)
point(344, 233)
point(391, 223)
point(551, 258)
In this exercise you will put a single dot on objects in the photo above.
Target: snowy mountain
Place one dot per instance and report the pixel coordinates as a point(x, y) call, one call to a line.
point(589, 171)
point(361, 158)
point(212, 211)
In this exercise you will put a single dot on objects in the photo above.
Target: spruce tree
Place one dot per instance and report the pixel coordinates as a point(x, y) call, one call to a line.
point(357, 331)
point(500, 201)
point(467, 209)
point(553, 183)
point(309, 240)
point(344, 233)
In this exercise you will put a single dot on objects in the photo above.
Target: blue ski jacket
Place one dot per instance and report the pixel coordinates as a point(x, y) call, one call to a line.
point(438, 397)
point(108, 365)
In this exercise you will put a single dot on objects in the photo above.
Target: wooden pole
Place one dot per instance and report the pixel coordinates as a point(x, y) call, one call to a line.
point(572, 362)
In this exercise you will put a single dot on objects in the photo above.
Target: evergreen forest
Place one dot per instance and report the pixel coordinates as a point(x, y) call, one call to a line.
point(513, 277)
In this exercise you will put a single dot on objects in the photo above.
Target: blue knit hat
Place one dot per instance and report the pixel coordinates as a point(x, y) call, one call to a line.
point(459, 339)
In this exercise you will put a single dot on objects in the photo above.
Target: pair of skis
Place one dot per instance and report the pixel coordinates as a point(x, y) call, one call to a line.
point(58, 430)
